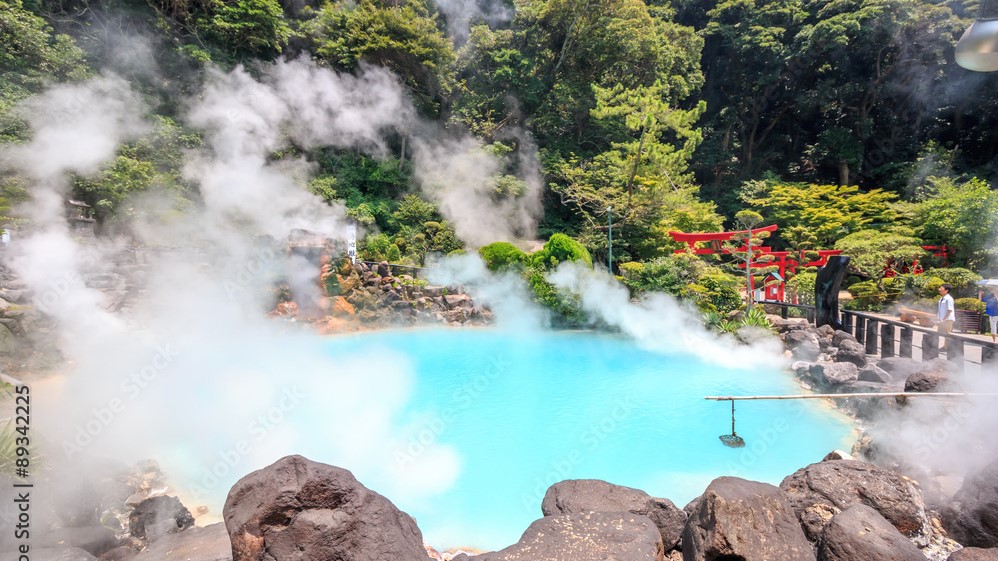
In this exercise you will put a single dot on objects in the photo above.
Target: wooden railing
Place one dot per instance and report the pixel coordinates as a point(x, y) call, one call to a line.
point(785, 308)
point(889, 338)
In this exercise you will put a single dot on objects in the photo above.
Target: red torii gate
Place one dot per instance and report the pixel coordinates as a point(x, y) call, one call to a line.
point(781, 259)
point(715, 239)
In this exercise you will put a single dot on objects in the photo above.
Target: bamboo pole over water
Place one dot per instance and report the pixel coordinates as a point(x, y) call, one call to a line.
point(844, 395)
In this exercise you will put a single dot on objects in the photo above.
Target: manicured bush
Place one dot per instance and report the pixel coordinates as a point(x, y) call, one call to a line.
point(971, 304)
point(502, 256)
point(929, 286)
point(867, 296)
point(959, 277)
point(722, 291)
point(558, 249)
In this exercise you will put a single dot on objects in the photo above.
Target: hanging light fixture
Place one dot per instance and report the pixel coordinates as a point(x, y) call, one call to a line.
point(978, 48)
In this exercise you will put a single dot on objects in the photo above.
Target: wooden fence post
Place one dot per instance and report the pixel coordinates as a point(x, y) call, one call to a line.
point(886, 340)
point(871, 337)
point(904, 349)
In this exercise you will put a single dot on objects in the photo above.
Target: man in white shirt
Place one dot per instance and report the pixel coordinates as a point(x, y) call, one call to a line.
point(945, 314)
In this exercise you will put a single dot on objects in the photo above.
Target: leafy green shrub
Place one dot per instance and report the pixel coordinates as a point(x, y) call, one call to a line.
point(929, 286)
point(971, 304)
point(670, 274)
point(566, 308)
point(630, 270)
point(756, 317)
point(413, 211)
point(802, 285)
point(441, 237)
point(722, 291)
point(688, 277)
point(867, 296)
point(378, 247)
point(502, 256)
point(959, 277)
point(558, 249)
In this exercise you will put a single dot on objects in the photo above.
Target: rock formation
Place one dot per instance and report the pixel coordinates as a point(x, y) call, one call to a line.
point(592, 495)
point(740, 519)
point(820, 491)
point(860, 533)
point(590, 536)
point(300, 510)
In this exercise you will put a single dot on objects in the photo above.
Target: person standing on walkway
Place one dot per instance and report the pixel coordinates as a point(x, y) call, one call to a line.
point(945, 314)
point(991, 310)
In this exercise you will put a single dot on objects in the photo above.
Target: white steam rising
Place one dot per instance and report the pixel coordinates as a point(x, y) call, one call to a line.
point(936, 436)
point(459, 175)
point(76, 129)
point(659, 322)
point(193, 374)
point(462, 14)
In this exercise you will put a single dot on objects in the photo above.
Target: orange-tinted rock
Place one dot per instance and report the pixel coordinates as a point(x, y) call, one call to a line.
point(341, 308)
point(285, 310)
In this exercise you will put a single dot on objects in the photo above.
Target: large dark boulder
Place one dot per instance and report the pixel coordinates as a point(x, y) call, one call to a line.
point(860, 533)
point(745, 520)
point(840, 336)
point(592, 536)
point(300, 510)
point(851, 351)
point(974, 554)
point(210, 543)
point(822, 490)
point(972, 517)
point(929, 377)
point(875, 374)
point(691, 506)
point(158, 516)
point(803, 344)
point(833, 374)
point(593, 495)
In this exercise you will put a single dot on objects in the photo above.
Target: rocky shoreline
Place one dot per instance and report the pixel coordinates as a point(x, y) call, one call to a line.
point(362, 296)
point(300, 510)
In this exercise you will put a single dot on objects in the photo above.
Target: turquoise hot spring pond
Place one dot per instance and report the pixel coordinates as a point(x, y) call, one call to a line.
point(518, 412)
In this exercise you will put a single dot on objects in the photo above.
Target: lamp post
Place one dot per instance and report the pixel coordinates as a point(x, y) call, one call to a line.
point(977, 49)
point(609, 222)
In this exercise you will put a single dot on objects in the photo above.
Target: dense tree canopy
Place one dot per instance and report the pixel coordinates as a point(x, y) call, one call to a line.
point(846, 123)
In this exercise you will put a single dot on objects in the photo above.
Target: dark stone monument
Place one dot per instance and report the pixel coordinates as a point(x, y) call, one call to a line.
point(826, 291)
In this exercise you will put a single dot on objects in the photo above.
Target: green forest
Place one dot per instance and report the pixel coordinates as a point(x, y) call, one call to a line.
point(845, 122)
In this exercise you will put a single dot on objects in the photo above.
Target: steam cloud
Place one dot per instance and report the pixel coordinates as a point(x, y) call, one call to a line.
point(458, 174)
point(196, 333)
point(659, 323)
point(462, 14)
